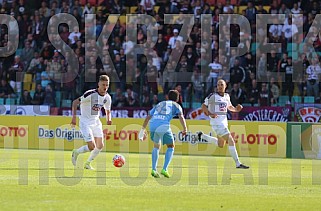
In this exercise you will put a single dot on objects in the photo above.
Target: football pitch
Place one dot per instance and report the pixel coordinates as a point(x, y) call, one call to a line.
point(46, 180)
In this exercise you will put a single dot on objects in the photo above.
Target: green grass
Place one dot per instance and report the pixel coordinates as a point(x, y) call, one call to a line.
point(46, 180)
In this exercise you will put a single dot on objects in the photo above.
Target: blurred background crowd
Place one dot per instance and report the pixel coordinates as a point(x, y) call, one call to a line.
point(33, 74)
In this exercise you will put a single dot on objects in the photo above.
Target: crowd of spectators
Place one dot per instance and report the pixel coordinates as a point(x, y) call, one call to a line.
point(253, 78)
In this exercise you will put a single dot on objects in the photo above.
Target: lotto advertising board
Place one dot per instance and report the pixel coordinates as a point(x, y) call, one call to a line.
point(16, 132)
point(258, 139)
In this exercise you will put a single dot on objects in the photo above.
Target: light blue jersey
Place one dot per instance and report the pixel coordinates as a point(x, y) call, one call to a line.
point(163, 113)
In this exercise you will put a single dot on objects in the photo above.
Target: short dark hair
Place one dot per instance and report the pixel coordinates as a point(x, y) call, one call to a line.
point(173, 95)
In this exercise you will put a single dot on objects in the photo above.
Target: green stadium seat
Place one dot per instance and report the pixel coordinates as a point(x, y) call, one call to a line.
point(294, 55)
point(160, 97)
point(254, 47)
point(2, 101)
point(296, 99)
point(32, 93)
point(66, 103)
point(301, 45)
point(185, 105)
point(308, 99)
point(291, 47)
point(11, 101)
point(196, 105)
point(283, 100)
point(58, 98)
point(246, 104)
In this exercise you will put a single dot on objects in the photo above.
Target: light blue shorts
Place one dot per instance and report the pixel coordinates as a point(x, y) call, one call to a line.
point(166, 137)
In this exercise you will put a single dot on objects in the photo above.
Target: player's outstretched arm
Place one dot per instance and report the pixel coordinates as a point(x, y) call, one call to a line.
point(207, 112)
point(238, 108)
point(75, 104)
point(183, 123)
point(142, 131)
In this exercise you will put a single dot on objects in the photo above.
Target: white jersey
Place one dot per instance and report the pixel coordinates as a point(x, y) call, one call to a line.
point(218, 104)
point(91, 103)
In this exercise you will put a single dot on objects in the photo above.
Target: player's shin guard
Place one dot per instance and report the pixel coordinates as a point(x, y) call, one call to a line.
point(155, 155)
point(168, 157)
point(234, 155)
point(93, 154)
point(210, 139)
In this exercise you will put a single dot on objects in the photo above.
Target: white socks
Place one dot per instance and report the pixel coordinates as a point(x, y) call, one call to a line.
point(93, 154)
point(234, 155)
point(210, 139)
point(83, 149)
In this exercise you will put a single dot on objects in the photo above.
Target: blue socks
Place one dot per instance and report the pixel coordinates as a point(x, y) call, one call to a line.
point(168, 157)
point(155, 155)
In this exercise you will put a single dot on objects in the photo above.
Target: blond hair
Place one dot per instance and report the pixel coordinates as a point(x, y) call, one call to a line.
point(104, 78)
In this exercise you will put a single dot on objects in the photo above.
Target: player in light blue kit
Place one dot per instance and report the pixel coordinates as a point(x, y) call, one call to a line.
point(160, 130)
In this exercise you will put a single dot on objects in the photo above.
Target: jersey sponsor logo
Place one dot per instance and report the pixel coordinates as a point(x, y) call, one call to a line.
point(222, 106)
point(105, 101)
point(96, 107)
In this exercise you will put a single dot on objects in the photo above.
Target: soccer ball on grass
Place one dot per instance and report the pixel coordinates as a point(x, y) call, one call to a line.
point(118, 160)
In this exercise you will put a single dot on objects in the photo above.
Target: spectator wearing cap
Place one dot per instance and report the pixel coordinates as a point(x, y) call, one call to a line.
point(174, 38)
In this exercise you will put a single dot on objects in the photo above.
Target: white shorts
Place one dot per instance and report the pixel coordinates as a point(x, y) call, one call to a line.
point(221, 130)
point(91, 131)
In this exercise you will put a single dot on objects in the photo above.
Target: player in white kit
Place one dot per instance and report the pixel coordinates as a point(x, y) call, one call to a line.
point(215, 106)
point(91, 103)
